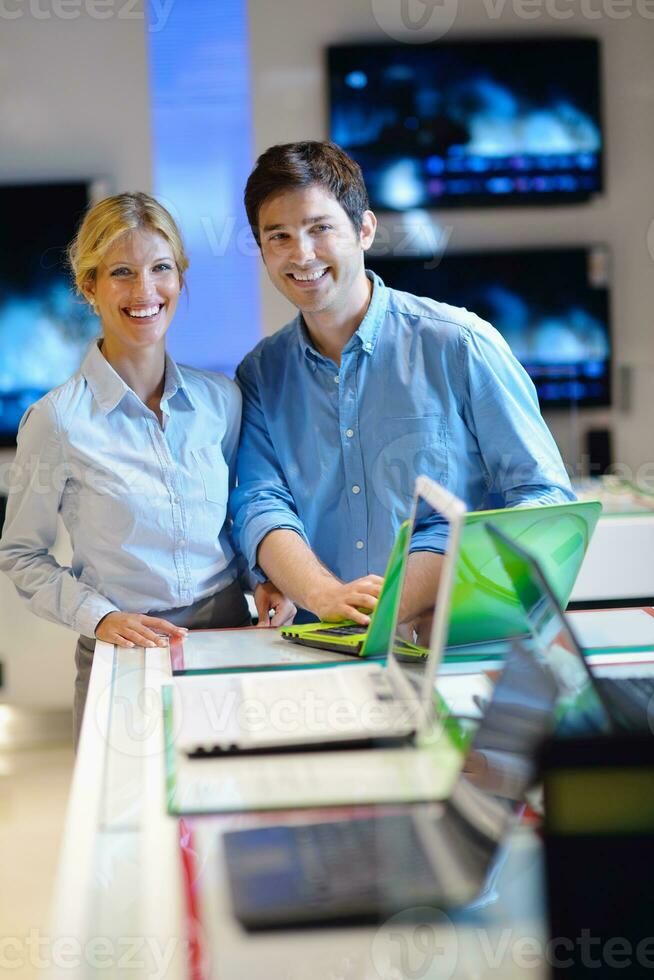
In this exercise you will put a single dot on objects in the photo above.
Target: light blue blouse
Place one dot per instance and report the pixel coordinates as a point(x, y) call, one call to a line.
point(144, 506)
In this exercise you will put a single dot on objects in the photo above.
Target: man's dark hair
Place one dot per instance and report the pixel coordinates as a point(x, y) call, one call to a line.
point(290, 166)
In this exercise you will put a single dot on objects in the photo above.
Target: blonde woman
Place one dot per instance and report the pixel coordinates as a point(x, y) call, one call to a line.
point(137, 454)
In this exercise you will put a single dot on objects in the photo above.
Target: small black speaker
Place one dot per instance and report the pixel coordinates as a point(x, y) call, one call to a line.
point(599, 451)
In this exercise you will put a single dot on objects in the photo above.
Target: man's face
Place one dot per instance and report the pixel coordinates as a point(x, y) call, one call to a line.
point(310, 248)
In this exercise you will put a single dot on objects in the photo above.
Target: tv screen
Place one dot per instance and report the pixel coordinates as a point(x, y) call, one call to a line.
point(551, 306)
point(44, 328)
point(470, 122)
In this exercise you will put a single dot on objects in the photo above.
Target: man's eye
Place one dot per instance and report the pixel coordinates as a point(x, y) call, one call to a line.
point(323, 227)
point(277, 237)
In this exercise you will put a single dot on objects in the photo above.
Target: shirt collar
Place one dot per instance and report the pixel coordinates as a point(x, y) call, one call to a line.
point(108, 387)
point(174, 382)
point(368, 330)
point(370, 325)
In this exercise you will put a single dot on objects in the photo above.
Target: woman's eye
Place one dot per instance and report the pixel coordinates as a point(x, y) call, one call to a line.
point(163, 267)
point(121, 271)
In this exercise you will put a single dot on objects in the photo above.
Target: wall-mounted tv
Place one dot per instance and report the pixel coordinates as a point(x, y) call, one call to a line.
point(44, 328)
point(551, 306)
point(470, 123)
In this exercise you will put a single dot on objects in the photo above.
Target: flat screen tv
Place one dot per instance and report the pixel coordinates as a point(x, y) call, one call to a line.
point(44, 328)
point(551, 306)
point(470, 123)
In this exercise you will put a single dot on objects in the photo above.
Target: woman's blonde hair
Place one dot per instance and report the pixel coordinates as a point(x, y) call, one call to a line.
point(110, 218)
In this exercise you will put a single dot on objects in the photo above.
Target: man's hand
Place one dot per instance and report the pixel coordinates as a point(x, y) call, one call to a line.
point(267, 597)
point(136, 630)
point(344, 600)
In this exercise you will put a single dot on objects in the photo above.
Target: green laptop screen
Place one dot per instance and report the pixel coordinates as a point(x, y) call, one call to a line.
point(484, 604)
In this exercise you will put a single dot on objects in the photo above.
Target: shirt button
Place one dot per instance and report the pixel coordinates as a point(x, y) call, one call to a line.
point(181, 542)
point(349, 433)
point(336, 379)
point(356, 489)
point(360, 546)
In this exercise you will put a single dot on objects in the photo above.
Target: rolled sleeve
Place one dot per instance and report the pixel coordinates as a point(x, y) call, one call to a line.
point(522, 462)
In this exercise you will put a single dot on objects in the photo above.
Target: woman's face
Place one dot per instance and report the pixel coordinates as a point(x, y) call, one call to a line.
point(136, 291)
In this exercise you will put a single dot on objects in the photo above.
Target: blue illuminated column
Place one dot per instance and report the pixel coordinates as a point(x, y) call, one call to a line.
point(202, 151)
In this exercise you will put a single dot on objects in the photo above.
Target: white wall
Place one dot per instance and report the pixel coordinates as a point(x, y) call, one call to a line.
point(290, 102)
point(73, 103)
point(73, 97)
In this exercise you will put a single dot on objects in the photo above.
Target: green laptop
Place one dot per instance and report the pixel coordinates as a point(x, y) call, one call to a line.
point(347, 637)
point(484, 605)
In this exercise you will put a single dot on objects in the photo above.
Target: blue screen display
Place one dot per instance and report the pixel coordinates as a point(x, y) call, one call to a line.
point(470, 123)
point(44, 327)
point(550, 305)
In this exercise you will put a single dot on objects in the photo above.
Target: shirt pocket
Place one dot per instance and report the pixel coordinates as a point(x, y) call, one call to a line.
point(214, 473)
point(408, 447)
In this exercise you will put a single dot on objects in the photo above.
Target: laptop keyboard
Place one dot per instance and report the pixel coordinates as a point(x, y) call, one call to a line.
point(352, 630)
point(362, 857)
point(633, 697)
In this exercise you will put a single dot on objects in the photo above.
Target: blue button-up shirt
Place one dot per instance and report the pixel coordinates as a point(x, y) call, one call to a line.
point(333, 452)
point(144, 506)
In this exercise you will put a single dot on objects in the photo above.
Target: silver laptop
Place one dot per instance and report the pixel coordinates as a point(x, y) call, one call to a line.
point(348, 705)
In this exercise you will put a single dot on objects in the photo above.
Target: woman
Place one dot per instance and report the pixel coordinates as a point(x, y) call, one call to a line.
point(137, 454)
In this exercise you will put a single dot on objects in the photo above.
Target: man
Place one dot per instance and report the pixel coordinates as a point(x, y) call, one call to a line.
point(366, 389)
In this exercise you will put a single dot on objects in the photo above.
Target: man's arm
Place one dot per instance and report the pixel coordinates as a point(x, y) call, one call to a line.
point(500, 407)
point(270, 533)
point(286, 559)
point(262, 501)
point(421, 580)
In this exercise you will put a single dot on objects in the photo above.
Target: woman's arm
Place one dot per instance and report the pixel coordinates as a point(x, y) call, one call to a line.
point(36, 485)
point(37, 481)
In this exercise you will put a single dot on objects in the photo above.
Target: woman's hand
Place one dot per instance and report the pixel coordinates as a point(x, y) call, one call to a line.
point(136, 630)
point(267, 597)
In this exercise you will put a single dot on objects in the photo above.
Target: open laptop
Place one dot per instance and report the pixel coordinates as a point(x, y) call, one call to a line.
point(349, 870)
point(588, 703)
point(484, 606)
point(348, 705)
point(352, 638)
